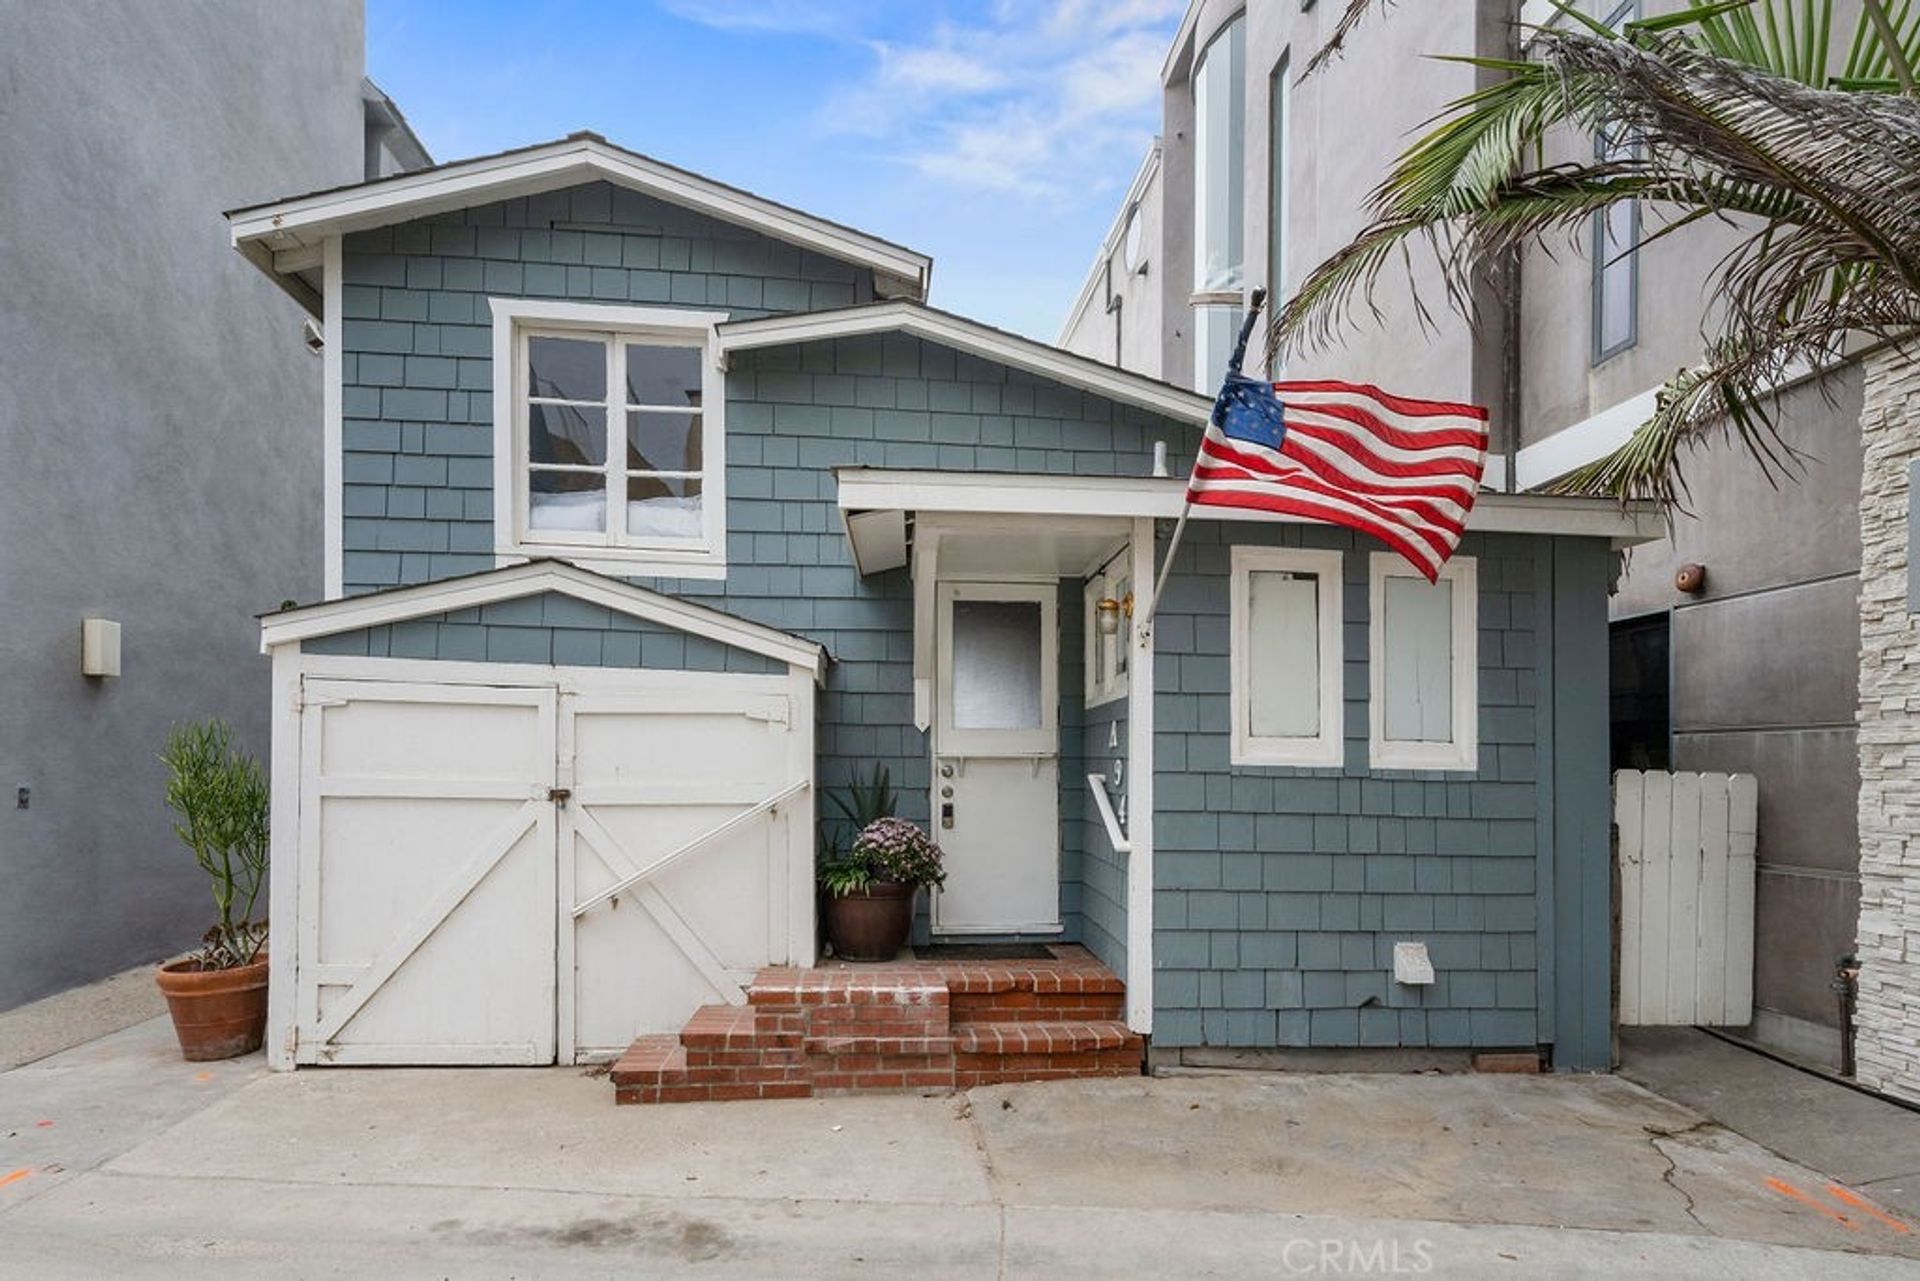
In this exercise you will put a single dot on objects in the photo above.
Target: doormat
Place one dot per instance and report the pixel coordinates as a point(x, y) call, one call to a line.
point(983, 952)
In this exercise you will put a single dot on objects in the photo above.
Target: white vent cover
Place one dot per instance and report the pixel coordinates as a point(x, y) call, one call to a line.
point(1411, 965)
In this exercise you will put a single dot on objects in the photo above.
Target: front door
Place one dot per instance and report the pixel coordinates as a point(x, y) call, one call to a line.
point(996, 758)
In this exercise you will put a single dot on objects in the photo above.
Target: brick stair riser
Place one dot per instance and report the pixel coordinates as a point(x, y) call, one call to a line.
point(1008, 1007)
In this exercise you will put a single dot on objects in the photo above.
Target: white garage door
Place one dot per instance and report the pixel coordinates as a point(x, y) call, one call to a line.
point(507, 875)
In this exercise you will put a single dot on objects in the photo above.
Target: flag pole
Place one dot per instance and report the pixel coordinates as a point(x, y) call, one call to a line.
point(1254, 304)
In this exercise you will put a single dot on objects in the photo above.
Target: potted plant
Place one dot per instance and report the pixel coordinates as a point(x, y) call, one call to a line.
point(870, 889)
point(218, 995)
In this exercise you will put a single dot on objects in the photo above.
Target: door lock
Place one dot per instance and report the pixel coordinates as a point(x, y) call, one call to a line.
point(559, 795)
point(946, 814)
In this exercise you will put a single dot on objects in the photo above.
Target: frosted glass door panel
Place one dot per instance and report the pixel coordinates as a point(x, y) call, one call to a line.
point(996, 664)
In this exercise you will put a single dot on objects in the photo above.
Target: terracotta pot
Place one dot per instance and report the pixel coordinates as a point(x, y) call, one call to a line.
point(217, 1014)
point(871, 924)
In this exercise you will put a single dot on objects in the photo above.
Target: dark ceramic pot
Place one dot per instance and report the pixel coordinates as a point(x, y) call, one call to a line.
point(871, 924)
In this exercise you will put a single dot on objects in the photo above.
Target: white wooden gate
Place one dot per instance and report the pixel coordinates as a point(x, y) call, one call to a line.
point(1686, 897)
point(494, 874)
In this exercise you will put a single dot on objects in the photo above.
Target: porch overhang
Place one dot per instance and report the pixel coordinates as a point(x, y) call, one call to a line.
point(876, 503)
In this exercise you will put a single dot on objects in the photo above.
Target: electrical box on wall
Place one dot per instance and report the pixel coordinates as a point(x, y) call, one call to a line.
point(99, 647)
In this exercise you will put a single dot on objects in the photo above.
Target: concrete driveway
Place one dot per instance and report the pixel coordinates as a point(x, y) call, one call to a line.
point(118, 1158)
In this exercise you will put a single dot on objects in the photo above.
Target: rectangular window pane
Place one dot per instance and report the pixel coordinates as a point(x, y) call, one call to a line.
point(1283, 655)
point(664, 506)
point(575, 500)
point(1278, 87)
point(1618, 234)
point(1417, 641)
point(567, 368)
point(996, 664)
point(573, 435)
point(662, 442)
point(664, 376)
point(1220, 127)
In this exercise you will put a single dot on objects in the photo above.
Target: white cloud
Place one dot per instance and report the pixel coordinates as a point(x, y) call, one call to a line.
point(1038, 100)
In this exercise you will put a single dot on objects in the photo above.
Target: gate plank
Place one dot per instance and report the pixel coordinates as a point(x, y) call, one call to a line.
point(1710, 939)
point(1629, 805)
point(494, 848)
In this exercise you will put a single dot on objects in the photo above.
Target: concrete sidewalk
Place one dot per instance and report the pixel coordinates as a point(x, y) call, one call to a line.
point(152, 1166)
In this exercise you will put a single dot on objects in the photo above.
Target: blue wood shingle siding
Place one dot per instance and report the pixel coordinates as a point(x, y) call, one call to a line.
point(547, 628)
point(1280, 892)
point(418, 433)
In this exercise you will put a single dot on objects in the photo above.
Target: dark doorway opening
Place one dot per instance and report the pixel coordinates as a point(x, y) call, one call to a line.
point(1641, 711)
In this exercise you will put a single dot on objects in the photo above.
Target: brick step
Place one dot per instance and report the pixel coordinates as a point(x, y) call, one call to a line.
point(722, 1027)
point(833, 1045)
point(1032, 1036)
point(651, 1060)
point(1022, 1005)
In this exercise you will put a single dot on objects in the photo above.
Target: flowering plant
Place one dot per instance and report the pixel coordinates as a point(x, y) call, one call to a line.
point(893, 849)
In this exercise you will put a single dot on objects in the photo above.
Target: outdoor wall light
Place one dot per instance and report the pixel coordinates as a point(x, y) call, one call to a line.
point(99, 647)
point(1107, 613)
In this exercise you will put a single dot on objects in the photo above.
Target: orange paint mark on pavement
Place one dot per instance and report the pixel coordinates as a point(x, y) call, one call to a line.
point(14, 1177)
point(203, 1076)
point(1788, 1190)
point(1865, 1206)
point(43, 1125)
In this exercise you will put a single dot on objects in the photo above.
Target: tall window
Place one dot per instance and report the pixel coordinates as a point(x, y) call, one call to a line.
point(1219, 186)
point(1616, 244)
point(613, 438)
point(1279, 87)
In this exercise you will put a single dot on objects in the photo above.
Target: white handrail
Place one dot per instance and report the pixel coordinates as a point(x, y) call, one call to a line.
point(1097, 783)
point(744, 816)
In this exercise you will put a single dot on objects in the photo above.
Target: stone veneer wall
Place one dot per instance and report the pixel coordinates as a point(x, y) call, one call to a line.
point(1888, 1046)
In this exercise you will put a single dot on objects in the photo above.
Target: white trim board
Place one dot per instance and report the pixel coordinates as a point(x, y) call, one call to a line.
point(1575, 446)
point(300, 221)
point(332, 426)
point(863, 489)
point(531, 579)
point(976, 339)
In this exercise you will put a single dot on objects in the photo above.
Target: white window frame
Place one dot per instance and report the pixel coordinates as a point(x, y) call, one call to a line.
point(1041, 740)
point(1106, 673)
point(1463, 752)
point(516, 319)
point(1327, 749)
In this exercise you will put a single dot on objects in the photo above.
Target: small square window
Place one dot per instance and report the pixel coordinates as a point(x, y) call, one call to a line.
point(1423, 660)
point(609, 425)
point(1285, 657)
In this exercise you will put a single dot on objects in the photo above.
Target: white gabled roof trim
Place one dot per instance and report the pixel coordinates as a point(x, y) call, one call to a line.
point(288, 226)
point(532, 579)
point(1007, 494)
point(974, 338)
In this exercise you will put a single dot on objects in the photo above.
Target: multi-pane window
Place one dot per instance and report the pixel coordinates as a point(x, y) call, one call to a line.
point(615, 443)
point(1285, 662)
point(1219, 241)
point(1423, 664)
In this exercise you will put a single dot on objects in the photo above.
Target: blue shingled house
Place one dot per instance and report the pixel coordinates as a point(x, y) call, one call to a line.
point(654, 508)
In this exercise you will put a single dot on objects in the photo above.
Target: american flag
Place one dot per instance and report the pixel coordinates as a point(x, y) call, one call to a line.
point(1405, 471)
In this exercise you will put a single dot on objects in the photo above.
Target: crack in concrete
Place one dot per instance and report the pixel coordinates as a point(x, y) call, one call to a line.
point(1669, 1175)
point(963, 1111)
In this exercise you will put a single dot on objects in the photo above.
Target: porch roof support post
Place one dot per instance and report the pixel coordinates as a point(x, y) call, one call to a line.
point(926, 567)
point(1140, 794)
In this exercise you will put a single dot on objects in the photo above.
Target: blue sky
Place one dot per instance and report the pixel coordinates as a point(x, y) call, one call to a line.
point(997, 135)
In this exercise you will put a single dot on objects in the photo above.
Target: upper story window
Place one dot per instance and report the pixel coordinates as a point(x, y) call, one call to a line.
point(1423, 665)
point(1219, 240)
point(609, 431)
point(1616, 244)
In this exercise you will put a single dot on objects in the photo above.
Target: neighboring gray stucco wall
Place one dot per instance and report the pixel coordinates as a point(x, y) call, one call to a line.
point(1279, 893)
point(160, 441)
point(545, 628)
